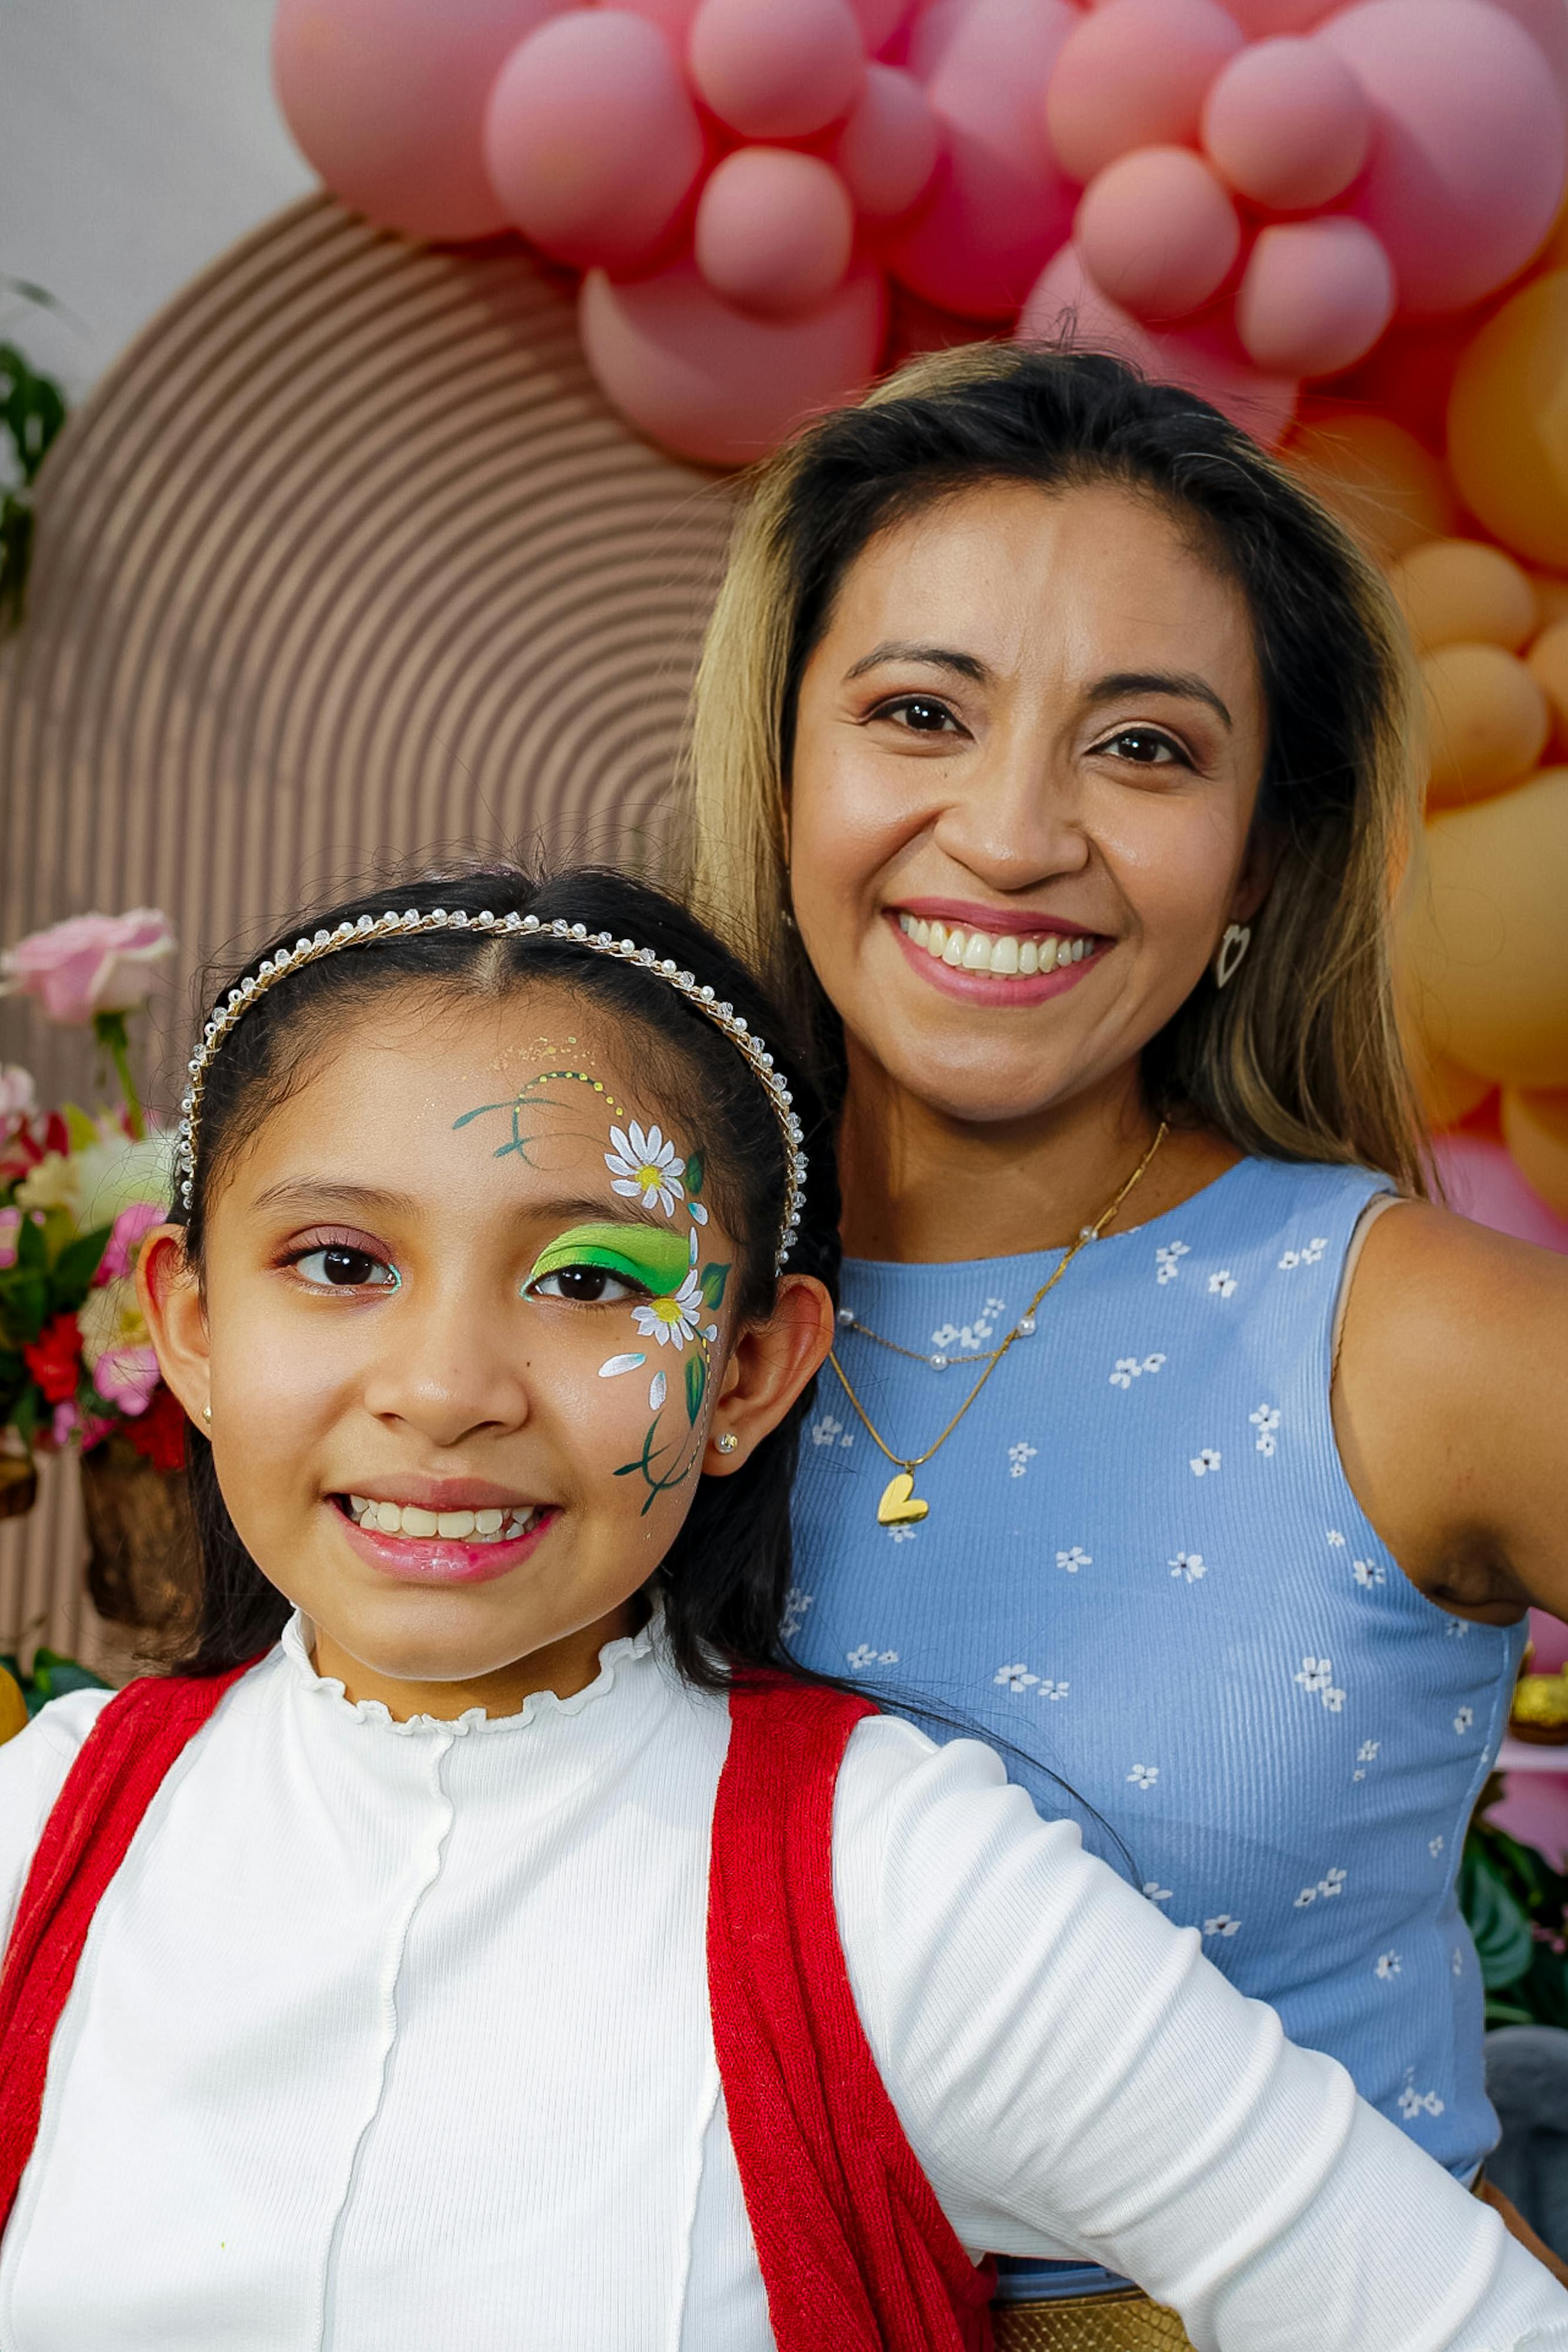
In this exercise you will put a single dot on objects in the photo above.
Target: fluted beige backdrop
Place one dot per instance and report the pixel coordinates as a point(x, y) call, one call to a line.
point(345, 561)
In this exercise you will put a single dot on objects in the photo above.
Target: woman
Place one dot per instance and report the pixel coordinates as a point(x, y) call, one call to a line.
point(1049, 744)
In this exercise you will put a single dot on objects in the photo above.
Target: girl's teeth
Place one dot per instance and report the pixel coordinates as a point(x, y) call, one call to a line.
point(456, 1526)
point(1006, 955)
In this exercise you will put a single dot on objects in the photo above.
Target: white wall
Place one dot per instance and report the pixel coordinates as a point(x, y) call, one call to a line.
point(138, 138)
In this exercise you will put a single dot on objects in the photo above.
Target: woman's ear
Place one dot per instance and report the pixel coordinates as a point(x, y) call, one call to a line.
point(769, 1365)
point(171, 1299)
point(1265, 847)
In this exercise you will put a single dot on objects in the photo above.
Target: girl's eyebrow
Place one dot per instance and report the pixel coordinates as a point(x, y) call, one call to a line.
point(316, 1191)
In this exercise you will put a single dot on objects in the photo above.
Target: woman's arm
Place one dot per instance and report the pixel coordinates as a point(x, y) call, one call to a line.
point(1451, 1410)
point(1077, 2080)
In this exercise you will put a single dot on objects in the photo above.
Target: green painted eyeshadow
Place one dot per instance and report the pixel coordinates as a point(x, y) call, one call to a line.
point(659, 1261)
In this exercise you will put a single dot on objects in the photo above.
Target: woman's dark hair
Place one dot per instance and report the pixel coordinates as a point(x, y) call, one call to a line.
point(1299, 1058)
point(728, 1572)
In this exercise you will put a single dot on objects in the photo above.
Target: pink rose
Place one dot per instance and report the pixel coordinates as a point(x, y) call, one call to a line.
point(127, 1377)
point(124, 1239)
point(90, 965)
point(18, 1094)
point(10, 1227)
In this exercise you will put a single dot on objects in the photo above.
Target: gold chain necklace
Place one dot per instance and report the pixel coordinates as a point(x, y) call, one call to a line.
point(900, 1506)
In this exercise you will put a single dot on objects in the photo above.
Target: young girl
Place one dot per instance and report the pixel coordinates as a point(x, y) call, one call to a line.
point(477, 1944)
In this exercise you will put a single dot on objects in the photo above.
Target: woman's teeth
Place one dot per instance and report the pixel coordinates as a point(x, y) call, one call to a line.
point(457, 1527)
point(1006, 954)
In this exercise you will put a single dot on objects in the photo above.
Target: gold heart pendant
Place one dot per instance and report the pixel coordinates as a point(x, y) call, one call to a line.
point(900, 1506)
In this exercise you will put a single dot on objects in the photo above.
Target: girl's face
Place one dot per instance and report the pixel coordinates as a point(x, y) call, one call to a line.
point(1028, 754)
point(468, 1339)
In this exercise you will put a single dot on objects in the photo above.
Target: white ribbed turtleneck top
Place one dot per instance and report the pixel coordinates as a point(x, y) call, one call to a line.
point(395, 2037)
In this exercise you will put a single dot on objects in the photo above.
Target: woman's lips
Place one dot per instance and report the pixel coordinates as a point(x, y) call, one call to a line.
point(981, 985)
point(446, 1560)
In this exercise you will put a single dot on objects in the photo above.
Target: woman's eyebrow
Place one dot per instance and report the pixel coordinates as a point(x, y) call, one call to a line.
point(1186, 685)
point(932, 657)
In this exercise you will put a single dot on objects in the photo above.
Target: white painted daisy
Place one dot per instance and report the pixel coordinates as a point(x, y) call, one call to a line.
point(645, 1167)
point(674, 1319)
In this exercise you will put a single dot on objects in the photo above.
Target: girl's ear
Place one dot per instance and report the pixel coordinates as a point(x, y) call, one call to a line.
point(769, 1365)
point(171, 1301)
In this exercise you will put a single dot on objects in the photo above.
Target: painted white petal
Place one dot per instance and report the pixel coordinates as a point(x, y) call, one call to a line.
point(616, 1364)
point(693, 1240)
point(658, 1389)
point(653, 1144)
point(639, 1142)
point(619, 1138)
point(672, 1178)
point(699, 1215)
point(629, 1186)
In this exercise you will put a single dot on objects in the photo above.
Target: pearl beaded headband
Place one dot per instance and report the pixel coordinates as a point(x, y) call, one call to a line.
point(371, 929)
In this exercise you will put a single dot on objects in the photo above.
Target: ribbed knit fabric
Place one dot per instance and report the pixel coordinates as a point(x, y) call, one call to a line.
point(1145, 1570)
point(856, 2252)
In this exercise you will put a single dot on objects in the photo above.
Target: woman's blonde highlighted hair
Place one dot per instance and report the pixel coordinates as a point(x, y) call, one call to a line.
point(1299, 1058)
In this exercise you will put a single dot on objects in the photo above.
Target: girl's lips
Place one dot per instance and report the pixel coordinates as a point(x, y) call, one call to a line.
point(445, 1559)
point(987, 987)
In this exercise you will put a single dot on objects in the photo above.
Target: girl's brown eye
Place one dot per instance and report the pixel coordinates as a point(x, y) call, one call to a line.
point(338, 1267)
point(585, 1286)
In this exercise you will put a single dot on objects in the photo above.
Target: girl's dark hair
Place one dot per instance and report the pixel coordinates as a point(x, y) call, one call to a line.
point(728, 1572)
point(1299, 1058)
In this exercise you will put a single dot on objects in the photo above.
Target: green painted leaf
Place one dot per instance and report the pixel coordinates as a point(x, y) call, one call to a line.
point(696, 1386)
point(714, 1278)
point(694, 1173)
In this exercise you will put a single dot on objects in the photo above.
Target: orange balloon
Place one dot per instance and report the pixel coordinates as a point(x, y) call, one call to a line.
point(1461, 592)
point(1483, 945)
point(1379, 481)
point(1551, 597)
point(1487, 724)
point(1535, 1128)
point(1536, 1132)
point(1548, 664)
point(1508, 422)
point(1448, 1091)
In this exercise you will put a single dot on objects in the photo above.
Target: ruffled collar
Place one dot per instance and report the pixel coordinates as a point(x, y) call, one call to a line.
point(615, 1658)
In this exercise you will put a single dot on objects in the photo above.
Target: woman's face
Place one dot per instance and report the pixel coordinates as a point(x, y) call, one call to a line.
point(469, 1336)
point(1028, 754)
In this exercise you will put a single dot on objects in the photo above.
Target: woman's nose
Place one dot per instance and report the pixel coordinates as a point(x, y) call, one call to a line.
point(1016, 820)
point(451, 1368)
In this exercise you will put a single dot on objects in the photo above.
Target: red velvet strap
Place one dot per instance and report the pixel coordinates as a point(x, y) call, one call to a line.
point(119, 1772)
point(856, 2253)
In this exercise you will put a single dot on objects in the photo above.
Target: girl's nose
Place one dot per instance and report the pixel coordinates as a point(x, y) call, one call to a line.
point(448, 1372)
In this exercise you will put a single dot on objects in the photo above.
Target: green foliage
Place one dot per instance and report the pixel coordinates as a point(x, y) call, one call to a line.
point(52, 1275)
point(692, 1174)
point(32, 410)
point(714, 1281)
point(1517, 1908)
point(696, 1386)
point(51, 1677)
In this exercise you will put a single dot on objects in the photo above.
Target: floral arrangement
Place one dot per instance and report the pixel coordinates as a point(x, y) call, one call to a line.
point(79, 1192)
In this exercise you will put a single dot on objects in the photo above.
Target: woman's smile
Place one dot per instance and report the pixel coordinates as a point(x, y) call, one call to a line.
point(995, 962)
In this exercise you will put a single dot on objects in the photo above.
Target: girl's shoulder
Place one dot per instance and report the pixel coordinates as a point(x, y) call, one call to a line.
point(33, 1770)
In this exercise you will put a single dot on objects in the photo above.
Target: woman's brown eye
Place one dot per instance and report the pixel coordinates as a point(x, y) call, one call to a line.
point(1142, 745)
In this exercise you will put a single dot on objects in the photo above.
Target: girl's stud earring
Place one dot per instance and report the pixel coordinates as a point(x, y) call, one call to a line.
point(1232, 947)
point(728, 1443)
point(206, 1413)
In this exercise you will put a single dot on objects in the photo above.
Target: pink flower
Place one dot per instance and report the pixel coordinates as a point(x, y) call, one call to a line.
point(90, 964)
point(67, 1422)
point(125, 1237)
point(18, 1094)
point(127, 1377)
point(10, 1227)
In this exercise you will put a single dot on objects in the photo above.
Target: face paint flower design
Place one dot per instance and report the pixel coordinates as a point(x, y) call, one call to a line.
point(674, 1319)
point(645, 1167)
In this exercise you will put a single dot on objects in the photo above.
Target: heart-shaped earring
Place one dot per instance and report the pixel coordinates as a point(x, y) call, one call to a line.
point(1232, 947)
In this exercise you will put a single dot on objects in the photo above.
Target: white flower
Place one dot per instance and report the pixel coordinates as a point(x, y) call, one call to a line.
point(945, 1336)
point(1291, 1259)
point(1202, 1463)
point(1053, 1690)
point(645, 1167)
point(863, 1656)
point(902, 1534)
point(1367, 1750)
point(1386, 1965)
point(1335, 1538)
point(1074, 1560)
point(1331, 1883)
point(1019, 1456)
point(1458, 1962)
point(1143, 1776)
point(1463, 1720)
point(1334, 1701)
point(1222, 1284)
point(1367, 1573)
point(1168, 1260)
point(1189, 1564)
point(1222, 1924)
point(1316, 1678)
point(1455, 1629)
point(1265, 1421)
point(1413, 2103)
point(1017, 1677)
point(796, 1604)
point(1156, 1892)
point(1313, 1251)
point(672, 1321)
point(1126, 1371)
point(1435, 1846)
point(827, 1431)
point(1153, 1363)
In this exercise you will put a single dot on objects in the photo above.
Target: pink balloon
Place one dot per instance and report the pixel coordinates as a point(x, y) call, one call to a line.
point(1264, 20)
point(1546, 21)
point(1157, 233)
point(886, 152)
point(592, 142)
point(1288, 124)
point(1314, 296)
point(774, 230)
point(386, 98)
point(999, 206)
point(1135, 74)
point(1066, 307)
point(778, 69)
point(710, 383)
point(879, 20)
point(674, 18)
point(1481, 1181)
point(1468, 164)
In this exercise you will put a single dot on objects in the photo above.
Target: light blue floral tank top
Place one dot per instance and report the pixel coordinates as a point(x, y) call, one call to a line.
point(1144, 1570)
